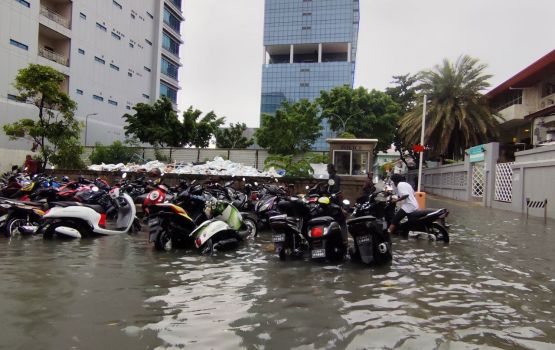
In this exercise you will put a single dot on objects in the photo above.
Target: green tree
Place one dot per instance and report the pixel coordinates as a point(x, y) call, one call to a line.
point(156, 124)
point(404, 91)
point(293, 130)
point(232, 137)
point(198, 132)
point(117, 152)
point(40, 85)
point(68, 155)
point(458, 114)
point(362, 113)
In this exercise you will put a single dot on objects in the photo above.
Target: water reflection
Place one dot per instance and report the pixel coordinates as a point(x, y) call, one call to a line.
point(492, 287)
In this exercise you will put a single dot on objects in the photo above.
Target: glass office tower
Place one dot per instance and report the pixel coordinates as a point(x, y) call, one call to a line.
point(309, 46)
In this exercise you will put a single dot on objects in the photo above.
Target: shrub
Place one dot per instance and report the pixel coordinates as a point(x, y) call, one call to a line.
point(115, 153)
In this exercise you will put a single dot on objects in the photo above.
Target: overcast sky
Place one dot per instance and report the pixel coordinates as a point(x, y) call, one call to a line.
point(222, 54)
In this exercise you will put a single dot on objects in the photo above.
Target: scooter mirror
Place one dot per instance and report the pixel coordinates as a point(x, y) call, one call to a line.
point(94, 189)
point(331, 182)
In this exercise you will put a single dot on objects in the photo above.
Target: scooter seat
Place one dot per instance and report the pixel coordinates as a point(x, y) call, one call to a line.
point(360, 219)
point(65, 204)
point(323, 220)
point(420, 213)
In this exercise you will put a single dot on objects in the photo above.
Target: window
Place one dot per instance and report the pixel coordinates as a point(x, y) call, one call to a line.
point(130, 74)
point(169, 92)
point(306, 28)
point(100, 26)
point(170, 44)
point(20, 45)
point(115, 36)
point(132, 16)
point(146, 96)
point(351, 162)
point(116, 4)
point(113, 103)
point(79, 91)
point(147, 69)
point(98, 98)
point(168, 68)
point(177, 3)
point(171, 19)
point(128, 107)
point(99, 60)
point(150, 15)
point(305, 84)
point(82, 15)
point(131, 45)
point(24, 3)
point(148, 42)
point(13, 97)
point(305, 14)
point(114, 67)
point(81, 51)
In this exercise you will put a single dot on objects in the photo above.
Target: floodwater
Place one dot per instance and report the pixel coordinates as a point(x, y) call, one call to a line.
point(490, 288)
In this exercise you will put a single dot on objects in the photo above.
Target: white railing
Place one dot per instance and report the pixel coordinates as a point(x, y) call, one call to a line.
point(53, 56)
point(52, 15)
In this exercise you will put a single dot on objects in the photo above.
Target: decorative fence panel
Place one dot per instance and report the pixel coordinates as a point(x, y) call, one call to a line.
point(504, 182)
point(478, 180)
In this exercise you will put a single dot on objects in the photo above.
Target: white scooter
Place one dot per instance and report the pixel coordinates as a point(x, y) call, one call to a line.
point(78, 220)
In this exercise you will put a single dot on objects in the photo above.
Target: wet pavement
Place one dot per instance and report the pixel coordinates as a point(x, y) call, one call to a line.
point(490, 288)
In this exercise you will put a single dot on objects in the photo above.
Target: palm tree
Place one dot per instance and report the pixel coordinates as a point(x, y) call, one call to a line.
point(458, 114)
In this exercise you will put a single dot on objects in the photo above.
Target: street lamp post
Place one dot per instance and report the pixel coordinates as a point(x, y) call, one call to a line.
point(421, 158)
point(87, 124)
point(344, 122)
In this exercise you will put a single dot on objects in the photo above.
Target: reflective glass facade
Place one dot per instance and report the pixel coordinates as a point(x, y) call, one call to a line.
point(310, 46)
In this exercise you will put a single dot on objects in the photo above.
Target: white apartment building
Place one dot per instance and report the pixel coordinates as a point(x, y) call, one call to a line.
point(114, 54)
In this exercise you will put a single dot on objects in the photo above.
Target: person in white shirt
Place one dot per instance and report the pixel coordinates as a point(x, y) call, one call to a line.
point(406, 194)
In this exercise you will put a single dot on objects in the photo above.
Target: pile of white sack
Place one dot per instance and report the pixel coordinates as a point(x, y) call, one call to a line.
point(218, 166)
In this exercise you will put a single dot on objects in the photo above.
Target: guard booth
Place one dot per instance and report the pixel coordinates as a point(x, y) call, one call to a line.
point(353, 159)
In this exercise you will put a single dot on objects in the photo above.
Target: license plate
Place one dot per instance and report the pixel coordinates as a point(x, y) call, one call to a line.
point(318, 253)
point(153, 222)
point(365, 239)
point(279, 237)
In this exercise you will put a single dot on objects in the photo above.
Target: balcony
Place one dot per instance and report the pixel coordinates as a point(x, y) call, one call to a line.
point(53, 56)
point(53, 46)
point(54, 16)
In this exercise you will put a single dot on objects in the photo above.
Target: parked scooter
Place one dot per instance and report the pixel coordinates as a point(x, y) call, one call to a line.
point(430, 222)
point(310, 226)
point(77, 220)
point(171, 226)
point(372, 242)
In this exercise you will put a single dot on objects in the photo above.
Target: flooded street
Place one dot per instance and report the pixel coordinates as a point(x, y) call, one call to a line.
point(491, 287)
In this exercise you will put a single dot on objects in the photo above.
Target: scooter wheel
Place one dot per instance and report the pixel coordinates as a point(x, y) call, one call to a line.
point(252, 230)
point(163, 241)
point(13, 224)
point(439, 232)
point(282, 255)
point(208, 248)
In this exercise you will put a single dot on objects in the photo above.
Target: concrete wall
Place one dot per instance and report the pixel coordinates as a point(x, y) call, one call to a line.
point(533, 177)
point(452, 181)
point(351, 186)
